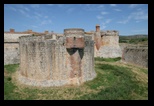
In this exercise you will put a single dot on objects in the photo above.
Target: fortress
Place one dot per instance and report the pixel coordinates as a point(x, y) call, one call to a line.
point(106, 43)
point(59, 59)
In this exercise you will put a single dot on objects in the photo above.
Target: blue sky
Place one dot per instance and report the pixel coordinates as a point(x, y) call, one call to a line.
point(128, 19)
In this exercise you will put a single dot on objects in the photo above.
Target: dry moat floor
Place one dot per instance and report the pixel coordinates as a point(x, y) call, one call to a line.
point(115, 81)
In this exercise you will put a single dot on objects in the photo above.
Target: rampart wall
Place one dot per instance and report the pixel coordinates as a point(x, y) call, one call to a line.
point(136, 55)
point(11, 48)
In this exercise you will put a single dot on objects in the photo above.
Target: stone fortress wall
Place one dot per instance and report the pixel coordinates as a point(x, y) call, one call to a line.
point(11, 45)
point(136, 55)
point(48, 62)
point(11, 48)
point(107, 43)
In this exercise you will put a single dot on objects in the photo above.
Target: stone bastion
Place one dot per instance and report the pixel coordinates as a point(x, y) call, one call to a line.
point(107, 44)
point(69, 60)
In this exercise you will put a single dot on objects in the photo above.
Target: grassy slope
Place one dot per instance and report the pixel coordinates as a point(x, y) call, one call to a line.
point(114, 81)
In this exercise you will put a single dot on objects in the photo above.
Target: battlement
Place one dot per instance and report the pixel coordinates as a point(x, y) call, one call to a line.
point(11, 37)
point(29, 31)
point(74, 32)
point(31, 38)
point(110, 33)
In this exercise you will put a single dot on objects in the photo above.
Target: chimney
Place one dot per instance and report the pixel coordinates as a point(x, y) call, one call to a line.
point(46, 32)
point(11, 30)
point(97, 28)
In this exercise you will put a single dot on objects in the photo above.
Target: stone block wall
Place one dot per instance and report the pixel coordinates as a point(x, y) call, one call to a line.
point(136, 55)
point(11, 48)
point(107, 44)
point(48, 62)
point(11, 53)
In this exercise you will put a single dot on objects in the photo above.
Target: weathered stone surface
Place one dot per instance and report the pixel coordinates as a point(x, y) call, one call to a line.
point(136, 55)
point(74, 42)
point(107, 44)
point(47, 62)
point(74, 32)
point(13, 37)
point(11, 48)
point(11, 53)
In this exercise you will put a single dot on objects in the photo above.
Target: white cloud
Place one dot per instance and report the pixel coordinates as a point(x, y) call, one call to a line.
point(70, 10)
point(27, 9)
point(113, 5)
point(103, 20)
point(99, 17)
point(12, 8)
point(46, 22)
point(134, 5)
point(104, 23)
point(108, 21)
point(137, 16)
point(140, 15)
point(117, 9)
point(123, 21)
point(24, 13)
point(93, 7)
point(23, 7)
point(37, 18)
point(35, 5)
point(137, 21)
point(34, 26)
point(103, 26)
point(60, 5)
point(104, 13)
point(101, 6)
point(50, 4)
point(88, 4)
point(139, 9)
point(38, 14)
point(45, 16)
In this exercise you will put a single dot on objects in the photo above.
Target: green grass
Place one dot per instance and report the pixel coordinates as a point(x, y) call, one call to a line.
point(119, 83)
point(11, 68)
point(113, 82)
point(107, 59)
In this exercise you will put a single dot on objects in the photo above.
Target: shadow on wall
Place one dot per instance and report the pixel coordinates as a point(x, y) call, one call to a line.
point(71, 51)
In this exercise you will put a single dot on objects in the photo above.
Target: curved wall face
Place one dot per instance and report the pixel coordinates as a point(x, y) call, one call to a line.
point(108, 46)
point(46, 62)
